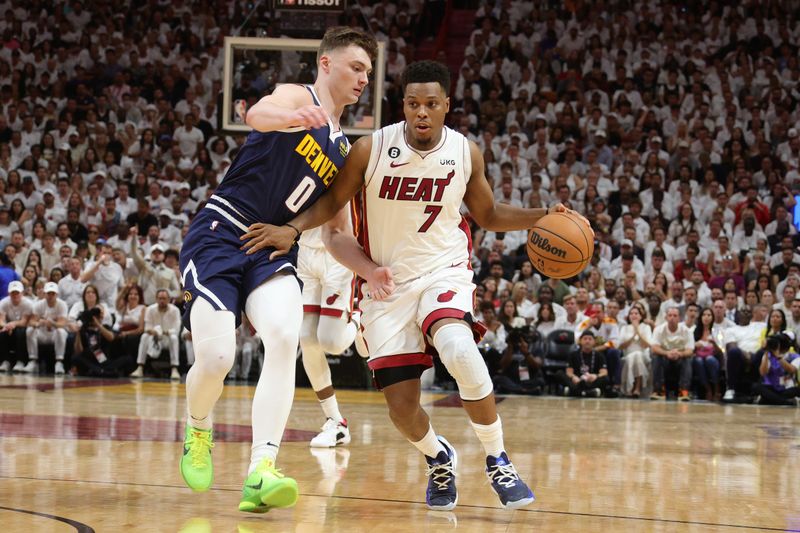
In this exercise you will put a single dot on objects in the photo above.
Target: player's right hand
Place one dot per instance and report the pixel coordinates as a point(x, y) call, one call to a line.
point(380, 283)
point(260, 236)
point(561, 208)
point(309, 117)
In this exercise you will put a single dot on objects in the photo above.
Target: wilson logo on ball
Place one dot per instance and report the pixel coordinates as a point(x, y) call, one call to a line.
point(544, 245)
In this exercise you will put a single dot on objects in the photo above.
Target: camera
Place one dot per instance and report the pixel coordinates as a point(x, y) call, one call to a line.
point(87, 317)
point(516, 335)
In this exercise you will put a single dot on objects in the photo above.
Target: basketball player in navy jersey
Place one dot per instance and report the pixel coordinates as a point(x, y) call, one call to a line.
point(292, 155)
point(414, 256)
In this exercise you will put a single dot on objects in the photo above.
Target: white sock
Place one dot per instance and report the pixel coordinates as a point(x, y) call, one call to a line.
point(429, 445)
point(200, 423)
point(331, 408)
point(259, 452)
point(491, 437)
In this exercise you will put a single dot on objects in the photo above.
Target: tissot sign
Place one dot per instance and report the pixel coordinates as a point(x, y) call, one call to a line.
point(311, 5)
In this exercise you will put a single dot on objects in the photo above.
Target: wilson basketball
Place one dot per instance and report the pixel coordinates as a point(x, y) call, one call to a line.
point(560, 245)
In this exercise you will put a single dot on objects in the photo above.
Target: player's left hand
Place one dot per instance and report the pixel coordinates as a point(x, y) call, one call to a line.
point(561, 208)
point(380, 283)
point(260, 236)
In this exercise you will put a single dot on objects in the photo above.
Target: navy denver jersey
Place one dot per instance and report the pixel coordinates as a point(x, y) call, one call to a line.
point(276, 175)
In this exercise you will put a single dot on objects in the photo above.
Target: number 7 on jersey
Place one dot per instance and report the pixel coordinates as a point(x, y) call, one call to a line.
point(433, 212)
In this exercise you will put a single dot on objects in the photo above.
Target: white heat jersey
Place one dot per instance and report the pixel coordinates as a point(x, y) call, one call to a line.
point(313, 237)
point(410, 219)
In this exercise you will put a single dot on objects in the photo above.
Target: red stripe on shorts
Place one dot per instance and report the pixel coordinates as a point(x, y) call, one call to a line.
point(403, 359)
point(311, 308)
point(327, 311)
point(440, 314)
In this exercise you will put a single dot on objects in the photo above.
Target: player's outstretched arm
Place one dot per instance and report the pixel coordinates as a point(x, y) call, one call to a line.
point(289, 106)
point(346, 184)
point(342, 244)
point(495, 216)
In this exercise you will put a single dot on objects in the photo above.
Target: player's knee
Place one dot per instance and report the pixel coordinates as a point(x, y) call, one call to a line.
point(282, 342)
point(459, 354)
point(308, 331)
point(216, 355)
point(401, 410)
point(333, 336)
point(213, 338)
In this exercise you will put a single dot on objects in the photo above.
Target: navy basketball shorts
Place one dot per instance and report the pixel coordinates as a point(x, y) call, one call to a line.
point(214, 268)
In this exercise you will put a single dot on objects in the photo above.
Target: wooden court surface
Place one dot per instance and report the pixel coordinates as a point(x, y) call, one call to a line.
point(81, 455)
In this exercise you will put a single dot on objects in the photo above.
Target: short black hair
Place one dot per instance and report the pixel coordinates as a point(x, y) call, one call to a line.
point(426, 72)
point(774, 343)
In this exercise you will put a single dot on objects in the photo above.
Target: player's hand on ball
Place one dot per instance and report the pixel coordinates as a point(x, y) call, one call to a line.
point(561, 208)
point(260, 236)
point(310, 117)
point(381, 283)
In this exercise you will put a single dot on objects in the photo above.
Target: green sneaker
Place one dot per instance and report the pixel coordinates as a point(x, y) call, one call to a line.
point(266, 488)
point(196, 467)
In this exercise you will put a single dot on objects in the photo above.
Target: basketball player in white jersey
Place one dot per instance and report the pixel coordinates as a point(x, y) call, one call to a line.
point(327, 328)
point(414, 255)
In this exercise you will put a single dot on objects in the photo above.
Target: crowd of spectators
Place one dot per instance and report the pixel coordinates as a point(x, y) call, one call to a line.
point(673, 128)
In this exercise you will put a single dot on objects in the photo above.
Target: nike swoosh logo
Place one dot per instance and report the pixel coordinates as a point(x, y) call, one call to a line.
point(185, 450)
point(395, 165)
point(257, 487)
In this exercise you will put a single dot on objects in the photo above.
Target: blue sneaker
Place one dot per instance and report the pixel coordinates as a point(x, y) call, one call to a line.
point(442, 494)
point(513, 492)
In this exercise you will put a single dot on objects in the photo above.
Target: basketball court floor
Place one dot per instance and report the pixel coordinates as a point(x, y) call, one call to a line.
point(83, 455)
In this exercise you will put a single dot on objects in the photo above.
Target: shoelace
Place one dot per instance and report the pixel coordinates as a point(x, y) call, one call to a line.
point(268, 466)
point(505, 475)
point(199, 444)
point(330, 423)
point(441, 475)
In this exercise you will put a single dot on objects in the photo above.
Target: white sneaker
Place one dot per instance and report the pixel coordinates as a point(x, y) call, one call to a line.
point(59, 368)
point(138, 373)
point(175, 375)
point(31, 368)
point(5, 366)
point(19, 367)
point(333, 433)
point(729, 395)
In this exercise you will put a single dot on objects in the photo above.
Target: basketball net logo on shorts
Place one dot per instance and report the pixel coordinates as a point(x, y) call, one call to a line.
point(544, 245)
